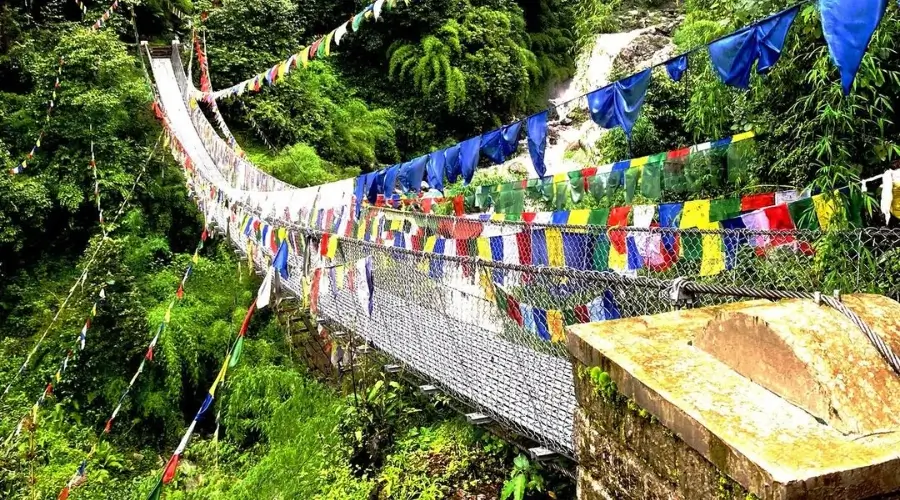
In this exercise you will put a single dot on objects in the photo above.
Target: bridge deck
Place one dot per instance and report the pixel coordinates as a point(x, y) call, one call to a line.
point(451, 338)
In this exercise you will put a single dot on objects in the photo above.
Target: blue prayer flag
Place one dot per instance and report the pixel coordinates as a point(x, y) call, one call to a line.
point(537, 141)
point(540, 322)
point(491, 147)
point(280, 263)
point(468, 158)
point(733, 56)
point(451, 155)
point(619, 103)
point(848, 26)
point(390, 180)
point(676, 67)
point(539, 248)
point(510, 139)
point(436, 163)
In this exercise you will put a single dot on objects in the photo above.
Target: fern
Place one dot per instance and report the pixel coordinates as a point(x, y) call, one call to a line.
point(430, 64)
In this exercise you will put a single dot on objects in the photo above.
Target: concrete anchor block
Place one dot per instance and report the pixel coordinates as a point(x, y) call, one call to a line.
point(541, 454)
point(428, 390)
point(392, 368)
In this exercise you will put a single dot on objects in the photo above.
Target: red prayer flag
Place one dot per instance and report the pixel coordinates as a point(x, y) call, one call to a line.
point(108, 426)
point(678, 153)
point(513, 311)
point(757, 201)
point(780, 220)
point(247, 317)
point(618, 217)
point(426, 205)
point(323, 245)
point(64, 494)
point(523, 241)
point(528, 217)
point(180, 292)
point(586, 174)
point(314, 291)
point(204, 235)
point(170, 470)
point(459, 207)
point(581, 314)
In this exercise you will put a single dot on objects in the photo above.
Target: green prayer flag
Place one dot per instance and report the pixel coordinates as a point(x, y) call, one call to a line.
point(357, 20)
point(576, 184)
point(598, 217)
point(691, 245)
point(651, 181)
point(470, 202)
point(501, 299)
point(560, 196)
point(673, 177)
point(632, 176)
point(724, 208)
point(597, 185)
point(547, 189)
point(614, 182)
point(659, 158)
point(853, 207)
point(534, 189)
point(513, 216)
point(156, 493)
point(803, 213)
point(502, 203)
point(600, 256)
point(236, 353)
point(516, 202)
point(569, 317)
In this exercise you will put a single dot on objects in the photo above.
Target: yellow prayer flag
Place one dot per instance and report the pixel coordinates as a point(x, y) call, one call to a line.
point(487, 285)
point(220, 377)
point(282, 69)
point(695, 214)
point(555, 324)
point(639, 162)
point(196, 258)
point(303, 55)
point(58, 376)
point(396, 224)
point(327, 43)
point(825, 209)
point(895, 203)
point(498, 216)
point(555, 256)
point(332, 247)
point(282, 234)
point(94, 310)
point(429, 244)
point(743, 136)
point(617, 261)
point(484, 247)
point(713, 260)
point(560, 178)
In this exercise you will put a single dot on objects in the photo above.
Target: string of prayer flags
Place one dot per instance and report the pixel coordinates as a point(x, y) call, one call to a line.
point(321, 47)
point(80, 342)
point(549, 324)
point(81, 474)
point(106, 15)
point(50, 106)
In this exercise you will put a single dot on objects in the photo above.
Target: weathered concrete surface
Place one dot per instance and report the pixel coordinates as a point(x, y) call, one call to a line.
point(683, 424)
point(815, 358)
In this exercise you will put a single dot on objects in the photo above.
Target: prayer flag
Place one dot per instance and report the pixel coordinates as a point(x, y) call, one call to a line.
point(554, 245)
point(555, 324)
point(265, 289)
point(757, 201)
point(541, 324)
point(825, 209)
point(539, 255)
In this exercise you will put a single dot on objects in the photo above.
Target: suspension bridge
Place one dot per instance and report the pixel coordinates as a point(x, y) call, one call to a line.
point(437, 314)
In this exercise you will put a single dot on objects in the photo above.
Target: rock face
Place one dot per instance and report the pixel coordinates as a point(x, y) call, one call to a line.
point(721, 402)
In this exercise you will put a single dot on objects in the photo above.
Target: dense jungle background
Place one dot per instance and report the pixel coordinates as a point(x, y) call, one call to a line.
point(427, 75)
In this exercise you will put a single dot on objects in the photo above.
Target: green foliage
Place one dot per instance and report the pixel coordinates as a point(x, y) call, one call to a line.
point(430, 64)
point(524, 478)
point(593, 18)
